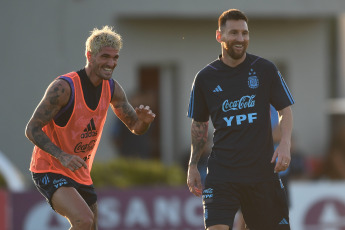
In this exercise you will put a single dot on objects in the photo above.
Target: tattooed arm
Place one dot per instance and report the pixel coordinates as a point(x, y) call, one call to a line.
point(137, 120)
point(199, 131)
point(56, 96)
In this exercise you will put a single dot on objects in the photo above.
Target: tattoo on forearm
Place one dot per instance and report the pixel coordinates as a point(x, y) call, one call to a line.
point(43, 115)
point(126, 113)
point(43, 142)
point(199, 139)
point(129, 113)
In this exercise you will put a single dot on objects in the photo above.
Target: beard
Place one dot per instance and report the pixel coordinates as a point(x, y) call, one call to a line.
point(232, 53)
point(99, 70)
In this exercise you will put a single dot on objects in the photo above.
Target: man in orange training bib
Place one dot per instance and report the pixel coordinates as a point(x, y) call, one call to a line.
point(67, 125)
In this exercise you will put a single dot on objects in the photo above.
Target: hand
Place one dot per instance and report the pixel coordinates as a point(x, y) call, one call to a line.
point(145, 114)
point(284, 157)
point(72, 162)
point(194, 180)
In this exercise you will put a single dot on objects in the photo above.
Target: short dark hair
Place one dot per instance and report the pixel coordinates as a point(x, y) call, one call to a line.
point(232, 14)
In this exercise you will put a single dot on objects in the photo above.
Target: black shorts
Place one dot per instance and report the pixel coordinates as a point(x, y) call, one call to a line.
point(264, 205)
point(48, 183)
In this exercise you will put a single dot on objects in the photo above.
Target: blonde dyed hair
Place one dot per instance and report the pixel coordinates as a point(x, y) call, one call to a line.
point(99, 38)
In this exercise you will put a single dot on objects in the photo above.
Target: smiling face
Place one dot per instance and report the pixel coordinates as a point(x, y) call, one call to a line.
point(101, 65)
point(234, 38)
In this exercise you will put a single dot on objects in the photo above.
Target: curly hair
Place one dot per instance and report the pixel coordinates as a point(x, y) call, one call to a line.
point(99, 38)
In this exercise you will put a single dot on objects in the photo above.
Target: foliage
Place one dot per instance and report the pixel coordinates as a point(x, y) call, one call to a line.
point(132, 172)
point(2, 182)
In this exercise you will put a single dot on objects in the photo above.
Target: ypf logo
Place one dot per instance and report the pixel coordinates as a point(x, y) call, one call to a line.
point(326, 214)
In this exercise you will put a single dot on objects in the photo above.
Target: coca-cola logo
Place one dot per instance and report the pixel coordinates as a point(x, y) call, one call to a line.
point(244, 102)
point(82, 148)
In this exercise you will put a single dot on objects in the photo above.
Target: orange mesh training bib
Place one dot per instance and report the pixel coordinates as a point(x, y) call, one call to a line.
point(80, 136)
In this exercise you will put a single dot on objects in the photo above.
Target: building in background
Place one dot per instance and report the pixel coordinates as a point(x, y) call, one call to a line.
point(173, 39)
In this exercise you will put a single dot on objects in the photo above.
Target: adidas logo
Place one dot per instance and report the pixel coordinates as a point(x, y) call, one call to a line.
point(217, 89)
point(45, 179)
point(90, 130)
point(284, 221)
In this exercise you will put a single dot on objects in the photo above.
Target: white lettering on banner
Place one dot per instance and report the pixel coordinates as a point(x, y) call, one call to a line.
point(240, 118)
point(329, 214)
point(243, 103)
point(108, 213)
point(317, 205)
point(190, 212)
point(137, 214)
point(167, 212)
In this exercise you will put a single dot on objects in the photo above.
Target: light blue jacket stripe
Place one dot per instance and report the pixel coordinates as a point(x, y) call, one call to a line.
point(191, 104)
point(286, 89)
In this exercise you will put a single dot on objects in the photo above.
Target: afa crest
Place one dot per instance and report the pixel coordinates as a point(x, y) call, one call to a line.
point(253, 80)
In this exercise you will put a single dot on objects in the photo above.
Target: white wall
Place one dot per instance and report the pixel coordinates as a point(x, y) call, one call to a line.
point(303, 46)
point(317, 205)
point(189, 45)
point(42, 39)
